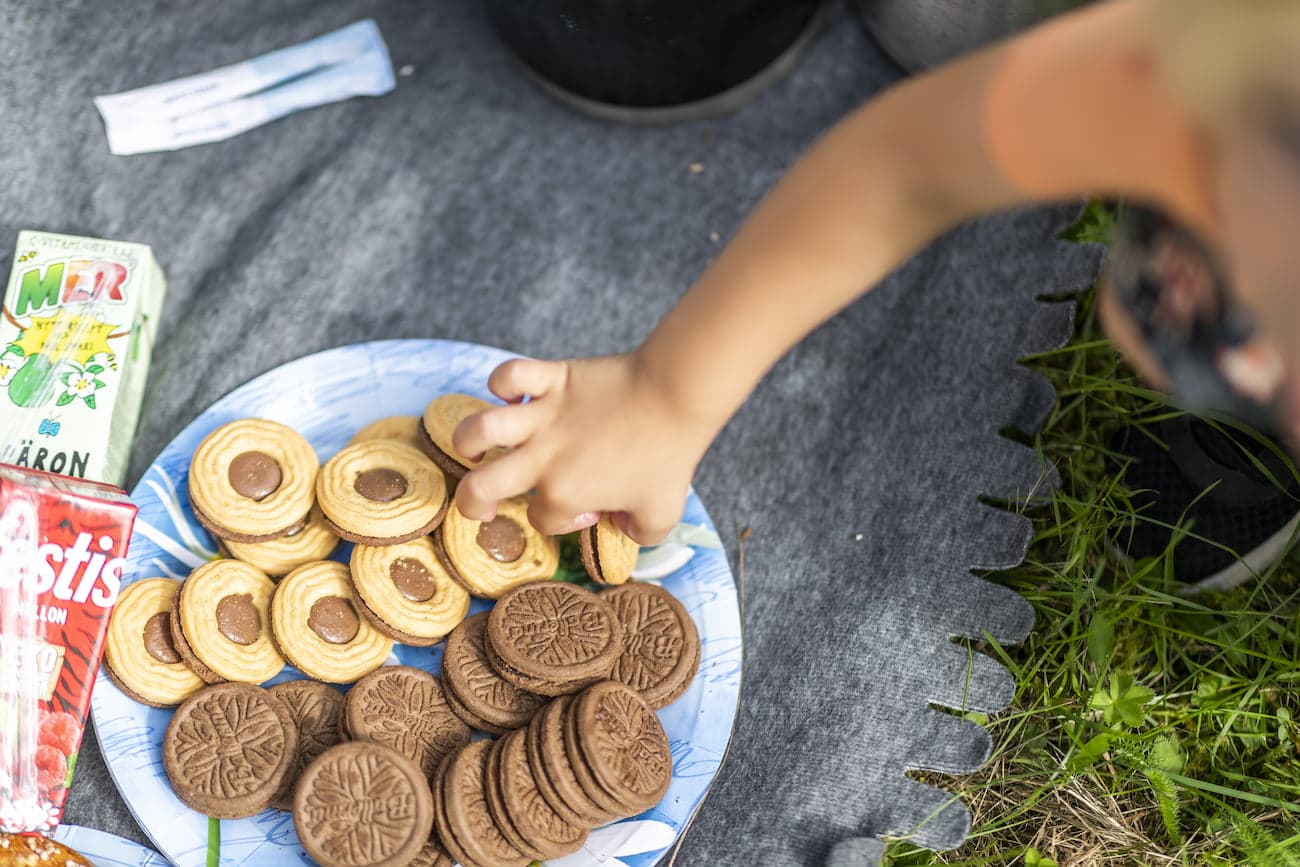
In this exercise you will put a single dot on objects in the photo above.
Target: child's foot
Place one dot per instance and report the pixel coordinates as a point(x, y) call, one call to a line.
point(1242, 521)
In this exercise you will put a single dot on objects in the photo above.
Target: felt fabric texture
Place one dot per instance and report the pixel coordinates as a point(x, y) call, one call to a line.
point(467, 205)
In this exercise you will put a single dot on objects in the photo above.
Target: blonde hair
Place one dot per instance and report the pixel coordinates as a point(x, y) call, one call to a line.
point(1219, 52)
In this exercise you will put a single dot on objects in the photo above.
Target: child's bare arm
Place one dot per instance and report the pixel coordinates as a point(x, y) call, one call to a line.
point(625, 433)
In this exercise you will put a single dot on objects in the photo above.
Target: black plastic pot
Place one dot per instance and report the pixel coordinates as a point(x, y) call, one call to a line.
point(656, 60)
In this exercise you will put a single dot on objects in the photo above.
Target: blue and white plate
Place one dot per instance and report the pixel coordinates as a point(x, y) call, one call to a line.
point(107, 850)
point(327, 397)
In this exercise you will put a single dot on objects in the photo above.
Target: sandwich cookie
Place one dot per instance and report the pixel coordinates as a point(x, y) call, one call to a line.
point(618, 748)
point(553, 638)
point(403, 428)
point(315, 708)
point(403, 708)
point(464, 824)
point(362, 805)
point(440, 420)
point(381, 492)
point(477, 694)
point(317, 627)
point(221, 623)
point(557, 781)
point(279, 556)
point(490, 557)
point(139, 655)
point(252, 480)
point(544, 833)
point(406, 593)
point(228, 749)
point(608, 554)
point(661, 646)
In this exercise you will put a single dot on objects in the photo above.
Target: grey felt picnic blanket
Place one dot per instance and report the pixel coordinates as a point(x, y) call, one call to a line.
point(466, 205)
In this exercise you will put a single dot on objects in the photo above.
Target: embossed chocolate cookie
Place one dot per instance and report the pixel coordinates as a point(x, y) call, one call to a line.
point(441, 417)
point(553, 638)
point(479, 696)
point(403, 428)
point(139, 654)
point(221, 618)
point(608, 555)
point(489, 558)
point(362, 804)
point(381, 492)
point(252, 480)
point(404, 708)
point(228, 749)
point(621, 741)
point(406, 593)
point(432, 855)
point(543, 831)
point(661, 647)
point(317, 626)
point(279, 556)
point(315, 708)
point(464, 821)
point(496, 804)
point(557, 782)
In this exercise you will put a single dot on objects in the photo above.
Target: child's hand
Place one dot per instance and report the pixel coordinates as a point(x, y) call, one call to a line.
point(596, 435)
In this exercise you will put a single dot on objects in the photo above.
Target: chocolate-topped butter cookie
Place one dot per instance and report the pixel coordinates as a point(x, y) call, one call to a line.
point(608, 554)
point(228, 749)
point(661, 646)
point(315, 708)
point(464, 821)
point(476, 692)
point(362, 804)
point(277, 557)
point(252, 480)
point(404, 708)
point(553, 637)
point(403, 428)
point(318, 628)
point(441, 417)
point(381, 492)
point(406, 593)
point(491, 557)
point(139, 654)
point(221, 618)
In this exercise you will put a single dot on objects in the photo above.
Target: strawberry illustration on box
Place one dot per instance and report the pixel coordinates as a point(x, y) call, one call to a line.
point(63, 548)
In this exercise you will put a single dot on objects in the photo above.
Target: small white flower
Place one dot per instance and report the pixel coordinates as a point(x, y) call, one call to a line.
point(81, 384)
point(9, 365)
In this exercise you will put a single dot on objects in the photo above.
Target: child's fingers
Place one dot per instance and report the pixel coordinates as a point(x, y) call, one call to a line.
point(524, 377)
point(648, 525)
point(505, 426)
point(508, 476)
point(556, 509)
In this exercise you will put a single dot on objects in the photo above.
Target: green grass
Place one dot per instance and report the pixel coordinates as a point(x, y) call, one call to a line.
point(1148, 727)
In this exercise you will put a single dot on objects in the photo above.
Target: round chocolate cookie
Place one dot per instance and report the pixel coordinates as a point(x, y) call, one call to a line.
point(315, 708)
point(468, 823)
point(557, 781)
point(362, 805)
point(432, 855)
point(621, 742)
point(479, 696)
point(221, 618)
point(496, 804)
point(228, 749)
point(553, 638)
point(404, 708)
point(381, 492)
point(318, 629)
point(661, 647)
point(280, 556)
point(545, 833)
point(403, 428)
point(406, 593)
point(138, 652)
point(441, 417)
point(608, 555)
point(252, 480)
point(489, 558)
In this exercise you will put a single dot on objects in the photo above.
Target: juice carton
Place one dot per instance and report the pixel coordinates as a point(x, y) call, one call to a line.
point(75, 338)
point(62, 552)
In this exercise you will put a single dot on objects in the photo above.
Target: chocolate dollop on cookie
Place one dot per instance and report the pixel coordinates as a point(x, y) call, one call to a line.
point(157, 638)
point(380, 485)
point(502, 539)
point(237, 618)
point(412, 579)
point(255, 475)
point(333, 619)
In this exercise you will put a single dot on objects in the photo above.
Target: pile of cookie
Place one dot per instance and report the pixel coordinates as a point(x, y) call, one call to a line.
point(234, 748)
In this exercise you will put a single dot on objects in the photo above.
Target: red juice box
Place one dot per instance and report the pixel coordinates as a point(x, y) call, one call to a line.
point(63, 548)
